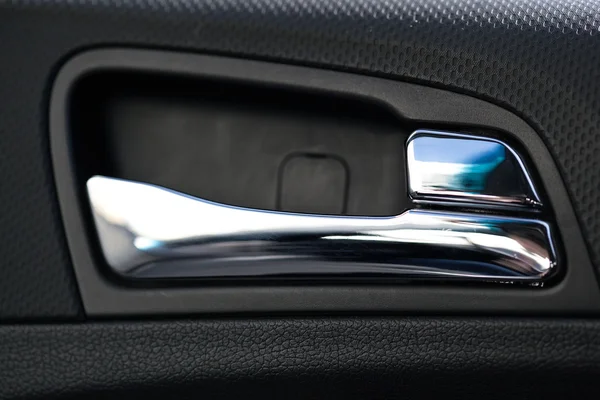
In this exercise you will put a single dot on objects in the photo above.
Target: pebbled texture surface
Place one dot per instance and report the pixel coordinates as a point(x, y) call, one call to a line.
point(304, 359)
point(537, 58)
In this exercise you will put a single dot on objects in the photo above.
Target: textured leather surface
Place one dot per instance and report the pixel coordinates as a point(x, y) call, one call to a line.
point(304, 358)
point(537, 58)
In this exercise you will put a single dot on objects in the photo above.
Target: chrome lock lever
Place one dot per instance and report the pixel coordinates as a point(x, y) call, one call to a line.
point(451, 168)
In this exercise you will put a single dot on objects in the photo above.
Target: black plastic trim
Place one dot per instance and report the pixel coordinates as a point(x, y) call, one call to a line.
point(576, 293)
point(301, 358)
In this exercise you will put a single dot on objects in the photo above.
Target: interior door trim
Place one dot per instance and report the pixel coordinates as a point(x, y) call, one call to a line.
point(576, 293)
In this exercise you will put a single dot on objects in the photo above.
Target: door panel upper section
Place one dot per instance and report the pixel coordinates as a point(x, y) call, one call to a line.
point(538, 59)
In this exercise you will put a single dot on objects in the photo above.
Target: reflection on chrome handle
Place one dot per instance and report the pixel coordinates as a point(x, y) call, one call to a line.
point(451, 168)
point(150, 231)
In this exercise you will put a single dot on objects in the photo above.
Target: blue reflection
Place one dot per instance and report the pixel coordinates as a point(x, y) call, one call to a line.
point(456, 164)
point(145, 244)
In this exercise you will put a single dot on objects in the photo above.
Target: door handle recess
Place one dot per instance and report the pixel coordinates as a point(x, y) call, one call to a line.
point(147, 231)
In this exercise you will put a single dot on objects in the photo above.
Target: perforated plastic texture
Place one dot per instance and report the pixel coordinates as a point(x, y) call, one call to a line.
point(537, 58)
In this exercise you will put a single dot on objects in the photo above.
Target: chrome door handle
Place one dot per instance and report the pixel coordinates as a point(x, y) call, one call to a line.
point(150, 231)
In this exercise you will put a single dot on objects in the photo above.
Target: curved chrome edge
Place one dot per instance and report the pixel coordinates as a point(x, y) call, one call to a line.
point(420, 193)
point(149, 231)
